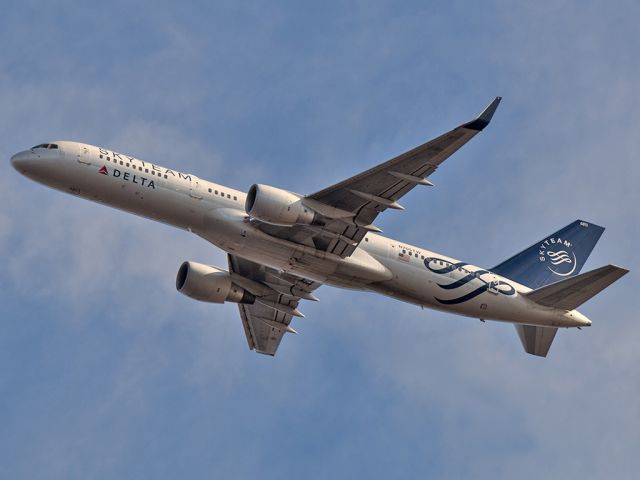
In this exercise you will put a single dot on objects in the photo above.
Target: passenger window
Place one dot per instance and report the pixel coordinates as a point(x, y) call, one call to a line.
point(127, 165)
point(228, 196)
point(146, 170)
point(235, 198)
point(209, 190)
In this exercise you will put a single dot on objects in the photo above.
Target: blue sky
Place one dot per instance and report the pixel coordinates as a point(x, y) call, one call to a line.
point(107, 372)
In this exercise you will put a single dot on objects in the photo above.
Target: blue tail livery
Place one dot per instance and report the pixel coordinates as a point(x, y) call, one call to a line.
point(556, 257)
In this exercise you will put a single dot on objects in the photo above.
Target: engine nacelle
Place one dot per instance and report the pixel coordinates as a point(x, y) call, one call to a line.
point(277, 207)
point(210, 284)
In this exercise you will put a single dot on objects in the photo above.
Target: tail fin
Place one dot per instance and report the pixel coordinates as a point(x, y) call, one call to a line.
point(570, 293)
point(566, 294)
point(556, 257)
point(536, 340)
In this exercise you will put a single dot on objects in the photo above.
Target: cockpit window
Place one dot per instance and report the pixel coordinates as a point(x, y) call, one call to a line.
point(49, 146)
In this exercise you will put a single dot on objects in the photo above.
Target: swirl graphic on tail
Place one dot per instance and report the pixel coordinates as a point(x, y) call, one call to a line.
point(558, 258)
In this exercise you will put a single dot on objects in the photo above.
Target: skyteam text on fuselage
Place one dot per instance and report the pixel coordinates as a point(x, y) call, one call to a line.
point(282, 246)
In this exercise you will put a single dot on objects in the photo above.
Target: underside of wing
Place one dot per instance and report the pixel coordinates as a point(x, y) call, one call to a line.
point(346, 211)
point(277, 297)
point(263, 327)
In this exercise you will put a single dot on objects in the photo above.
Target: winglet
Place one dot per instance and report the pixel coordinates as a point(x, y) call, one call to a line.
point(484, 118)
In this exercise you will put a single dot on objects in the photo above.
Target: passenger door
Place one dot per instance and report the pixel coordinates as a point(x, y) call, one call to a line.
point(83, 155)
point(195, 189)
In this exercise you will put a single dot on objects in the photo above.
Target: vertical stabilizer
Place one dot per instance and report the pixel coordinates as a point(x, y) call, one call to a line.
point(559, 256)
point(536, 340)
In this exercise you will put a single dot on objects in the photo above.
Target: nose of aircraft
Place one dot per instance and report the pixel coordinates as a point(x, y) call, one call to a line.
point(21, 160)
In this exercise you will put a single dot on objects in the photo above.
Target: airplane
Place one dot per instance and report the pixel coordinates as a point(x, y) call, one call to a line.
point(281, 246)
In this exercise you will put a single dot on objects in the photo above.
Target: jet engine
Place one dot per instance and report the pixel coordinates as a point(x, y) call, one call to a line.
point(210, 284)
point(277, 207)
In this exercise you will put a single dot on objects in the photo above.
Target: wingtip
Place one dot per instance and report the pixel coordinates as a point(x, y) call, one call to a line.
point(623, 270)
point(482, 120)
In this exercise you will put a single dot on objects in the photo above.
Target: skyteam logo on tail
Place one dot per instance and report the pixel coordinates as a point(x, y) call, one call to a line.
point(559, 256)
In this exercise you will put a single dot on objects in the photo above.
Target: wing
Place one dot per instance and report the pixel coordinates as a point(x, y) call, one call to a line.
point(277, 297)
point(350, 207)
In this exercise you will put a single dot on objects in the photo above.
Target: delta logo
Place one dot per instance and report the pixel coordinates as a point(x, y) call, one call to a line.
point(128, 177)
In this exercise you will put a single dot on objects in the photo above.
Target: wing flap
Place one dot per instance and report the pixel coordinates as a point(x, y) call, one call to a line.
point(267, 320)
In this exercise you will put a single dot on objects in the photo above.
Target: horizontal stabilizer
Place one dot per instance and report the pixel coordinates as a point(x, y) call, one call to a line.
point(573, 292)
point(536, 340)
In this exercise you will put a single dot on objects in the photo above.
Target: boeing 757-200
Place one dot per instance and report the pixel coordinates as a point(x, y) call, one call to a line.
point(282, 246)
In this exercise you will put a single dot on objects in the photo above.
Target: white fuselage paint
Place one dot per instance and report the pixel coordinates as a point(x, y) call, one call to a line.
point(217, 214)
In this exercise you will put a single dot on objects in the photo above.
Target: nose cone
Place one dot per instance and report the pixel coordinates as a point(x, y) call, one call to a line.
point(22, 161)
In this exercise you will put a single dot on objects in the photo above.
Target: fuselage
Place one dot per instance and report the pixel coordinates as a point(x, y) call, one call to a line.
point(216, 213)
